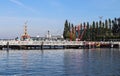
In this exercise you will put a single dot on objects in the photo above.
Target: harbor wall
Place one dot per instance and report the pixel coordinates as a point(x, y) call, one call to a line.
point(37, 45)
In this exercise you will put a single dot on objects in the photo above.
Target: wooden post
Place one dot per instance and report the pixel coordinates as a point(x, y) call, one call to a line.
point(7, 46)
point(42, 45)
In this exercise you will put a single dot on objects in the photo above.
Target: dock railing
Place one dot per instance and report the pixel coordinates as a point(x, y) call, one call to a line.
point(13, 42)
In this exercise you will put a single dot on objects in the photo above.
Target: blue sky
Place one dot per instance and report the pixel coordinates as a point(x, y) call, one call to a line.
point(43, 15)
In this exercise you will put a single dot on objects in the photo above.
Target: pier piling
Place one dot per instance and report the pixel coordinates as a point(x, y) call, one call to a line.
point(42, 45)
point(7, 46)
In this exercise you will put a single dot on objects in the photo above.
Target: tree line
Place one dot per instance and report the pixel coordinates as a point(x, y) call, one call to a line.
point(106, 30)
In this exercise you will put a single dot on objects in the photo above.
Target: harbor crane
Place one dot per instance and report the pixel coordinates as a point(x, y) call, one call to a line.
point(80, 31)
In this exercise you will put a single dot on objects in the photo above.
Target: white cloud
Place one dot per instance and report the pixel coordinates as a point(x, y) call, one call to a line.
point(17, 2)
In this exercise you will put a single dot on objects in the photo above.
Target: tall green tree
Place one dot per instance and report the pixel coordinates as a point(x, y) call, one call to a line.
point(88, 31)
point(97, 30)
point(93, 31)
point(66, 33)
point(115, 20)
point(106, 29)
point(103, 31)
point(85, 33)
point(72, 27)
point(118, 21)
point(106, 24)
point(115, 28)
point(69, 26)
point(110, 26)
point(118, 27)
point(100, 28)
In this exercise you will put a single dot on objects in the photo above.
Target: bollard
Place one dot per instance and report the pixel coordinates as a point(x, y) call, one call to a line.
point(42, 45)
point(7, 46)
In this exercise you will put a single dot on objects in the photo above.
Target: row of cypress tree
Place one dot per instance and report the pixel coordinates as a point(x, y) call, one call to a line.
point(96, 31)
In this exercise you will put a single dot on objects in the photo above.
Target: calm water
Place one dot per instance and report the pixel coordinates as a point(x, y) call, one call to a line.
point(79, 62)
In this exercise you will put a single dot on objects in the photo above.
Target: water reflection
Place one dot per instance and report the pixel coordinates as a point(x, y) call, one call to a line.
point(73, 62)
point(7, 59)
point(89, 62)
point(24, 62)
point(79, 62)
point(42, 52)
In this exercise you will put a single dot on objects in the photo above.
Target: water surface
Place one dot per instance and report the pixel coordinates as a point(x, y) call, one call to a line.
point(68, 62)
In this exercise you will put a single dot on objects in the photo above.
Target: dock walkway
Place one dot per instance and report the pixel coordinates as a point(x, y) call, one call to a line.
point(54, 44)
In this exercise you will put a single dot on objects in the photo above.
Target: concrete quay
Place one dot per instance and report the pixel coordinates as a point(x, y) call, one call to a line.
point(40, 44)
point(34, 45)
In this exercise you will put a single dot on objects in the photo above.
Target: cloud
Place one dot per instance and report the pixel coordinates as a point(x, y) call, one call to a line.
point(17, 2)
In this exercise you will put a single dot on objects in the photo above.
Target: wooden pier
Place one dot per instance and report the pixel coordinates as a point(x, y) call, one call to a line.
point(34, 45)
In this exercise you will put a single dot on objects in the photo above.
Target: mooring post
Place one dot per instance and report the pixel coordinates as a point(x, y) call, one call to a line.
point(7, 46)
point(42, 45)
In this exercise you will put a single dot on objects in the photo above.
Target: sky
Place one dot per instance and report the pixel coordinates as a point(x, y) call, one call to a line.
point(44, 15)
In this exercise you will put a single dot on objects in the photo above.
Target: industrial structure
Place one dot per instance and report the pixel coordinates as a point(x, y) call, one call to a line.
point(80, 31)
point(25, 36)
point(48, 36)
